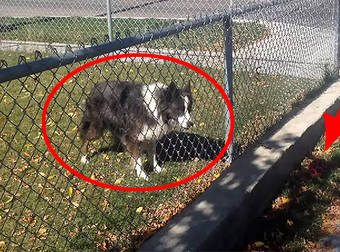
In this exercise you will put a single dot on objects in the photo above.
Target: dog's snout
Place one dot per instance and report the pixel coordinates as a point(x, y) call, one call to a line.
point(190, 124)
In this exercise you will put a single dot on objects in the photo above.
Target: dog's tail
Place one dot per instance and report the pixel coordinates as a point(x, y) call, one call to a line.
point(83, 129)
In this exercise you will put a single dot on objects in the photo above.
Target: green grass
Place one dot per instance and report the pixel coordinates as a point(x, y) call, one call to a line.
point(64, 202)
point(71, 214)
point(74, 29)
point(262, 100)
point(295, 220)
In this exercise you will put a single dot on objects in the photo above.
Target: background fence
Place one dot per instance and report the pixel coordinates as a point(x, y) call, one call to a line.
point(72, 21)
point(282, 50)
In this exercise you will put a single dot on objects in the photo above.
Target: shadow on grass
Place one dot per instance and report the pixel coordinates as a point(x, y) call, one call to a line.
point(180, 147)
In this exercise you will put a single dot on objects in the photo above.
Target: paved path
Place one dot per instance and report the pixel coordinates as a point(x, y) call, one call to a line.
point(291, 50)
point(121, 8)
point(166, 8)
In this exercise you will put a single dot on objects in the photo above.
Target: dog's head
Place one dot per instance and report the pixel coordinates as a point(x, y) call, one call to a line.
point(176, 105)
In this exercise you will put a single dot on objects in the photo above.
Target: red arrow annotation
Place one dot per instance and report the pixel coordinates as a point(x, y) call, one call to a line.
point(332, 126)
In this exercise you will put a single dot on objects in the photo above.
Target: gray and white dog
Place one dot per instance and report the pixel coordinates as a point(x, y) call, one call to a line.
point(136, 115)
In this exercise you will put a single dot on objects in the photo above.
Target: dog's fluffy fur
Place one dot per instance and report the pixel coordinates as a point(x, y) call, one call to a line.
point(136, 115)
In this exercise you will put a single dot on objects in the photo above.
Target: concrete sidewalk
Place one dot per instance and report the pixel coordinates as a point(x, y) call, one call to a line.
point(291, 50)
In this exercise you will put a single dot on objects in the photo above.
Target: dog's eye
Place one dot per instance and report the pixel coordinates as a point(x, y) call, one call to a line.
point(180, 111)
point(169, 117)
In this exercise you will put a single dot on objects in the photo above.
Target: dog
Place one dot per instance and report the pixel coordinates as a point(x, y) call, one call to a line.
point(137, 116)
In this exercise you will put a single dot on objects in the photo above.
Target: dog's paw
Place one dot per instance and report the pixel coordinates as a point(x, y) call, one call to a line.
point(158, 169)
point(84, 160)
point(142, 175)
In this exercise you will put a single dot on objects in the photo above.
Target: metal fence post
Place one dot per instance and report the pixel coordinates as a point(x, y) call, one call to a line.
point(228, 76)
point(109, 19)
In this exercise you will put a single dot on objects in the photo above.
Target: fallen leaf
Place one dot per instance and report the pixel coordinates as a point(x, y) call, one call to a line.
point(105, 203)
point(42, 174)
point(139, 209)
point(75, 204)
point(118, 181)
point(38, 136)
point(51, 177)
point(26, 154)
point(177, 179)
point(50, 123)
point(70, 191)
point(43, 231)
point(2, 244)
point(285, 200)
point(280, 202)
point(10, 199)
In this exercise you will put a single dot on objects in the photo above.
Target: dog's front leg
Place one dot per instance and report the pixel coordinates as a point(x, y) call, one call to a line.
point(83, 150)
point(136, 160)
point(151, 152)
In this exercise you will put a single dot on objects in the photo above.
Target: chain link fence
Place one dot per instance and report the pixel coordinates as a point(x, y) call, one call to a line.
point(69, 22)
point(27, 24)
point(280, 52)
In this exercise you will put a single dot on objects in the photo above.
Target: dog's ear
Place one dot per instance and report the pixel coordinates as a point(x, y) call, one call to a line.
point(173, 85)
point(172, 91)
point(187, 88)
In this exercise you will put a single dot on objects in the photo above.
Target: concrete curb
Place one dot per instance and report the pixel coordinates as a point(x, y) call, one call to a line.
point(218, 219)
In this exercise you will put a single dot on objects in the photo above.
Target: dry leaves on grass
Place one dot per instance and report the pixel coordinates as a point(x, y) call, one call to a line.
point(280, 203)
point(2, 244)
point(159, 215)
point(330, 226)
point(308, 190)
point(331, 219)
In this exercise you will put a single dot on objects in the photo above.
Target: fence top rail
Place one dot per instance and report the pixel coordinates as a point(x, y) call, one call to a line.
point(22, 70)
point(44, 64)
